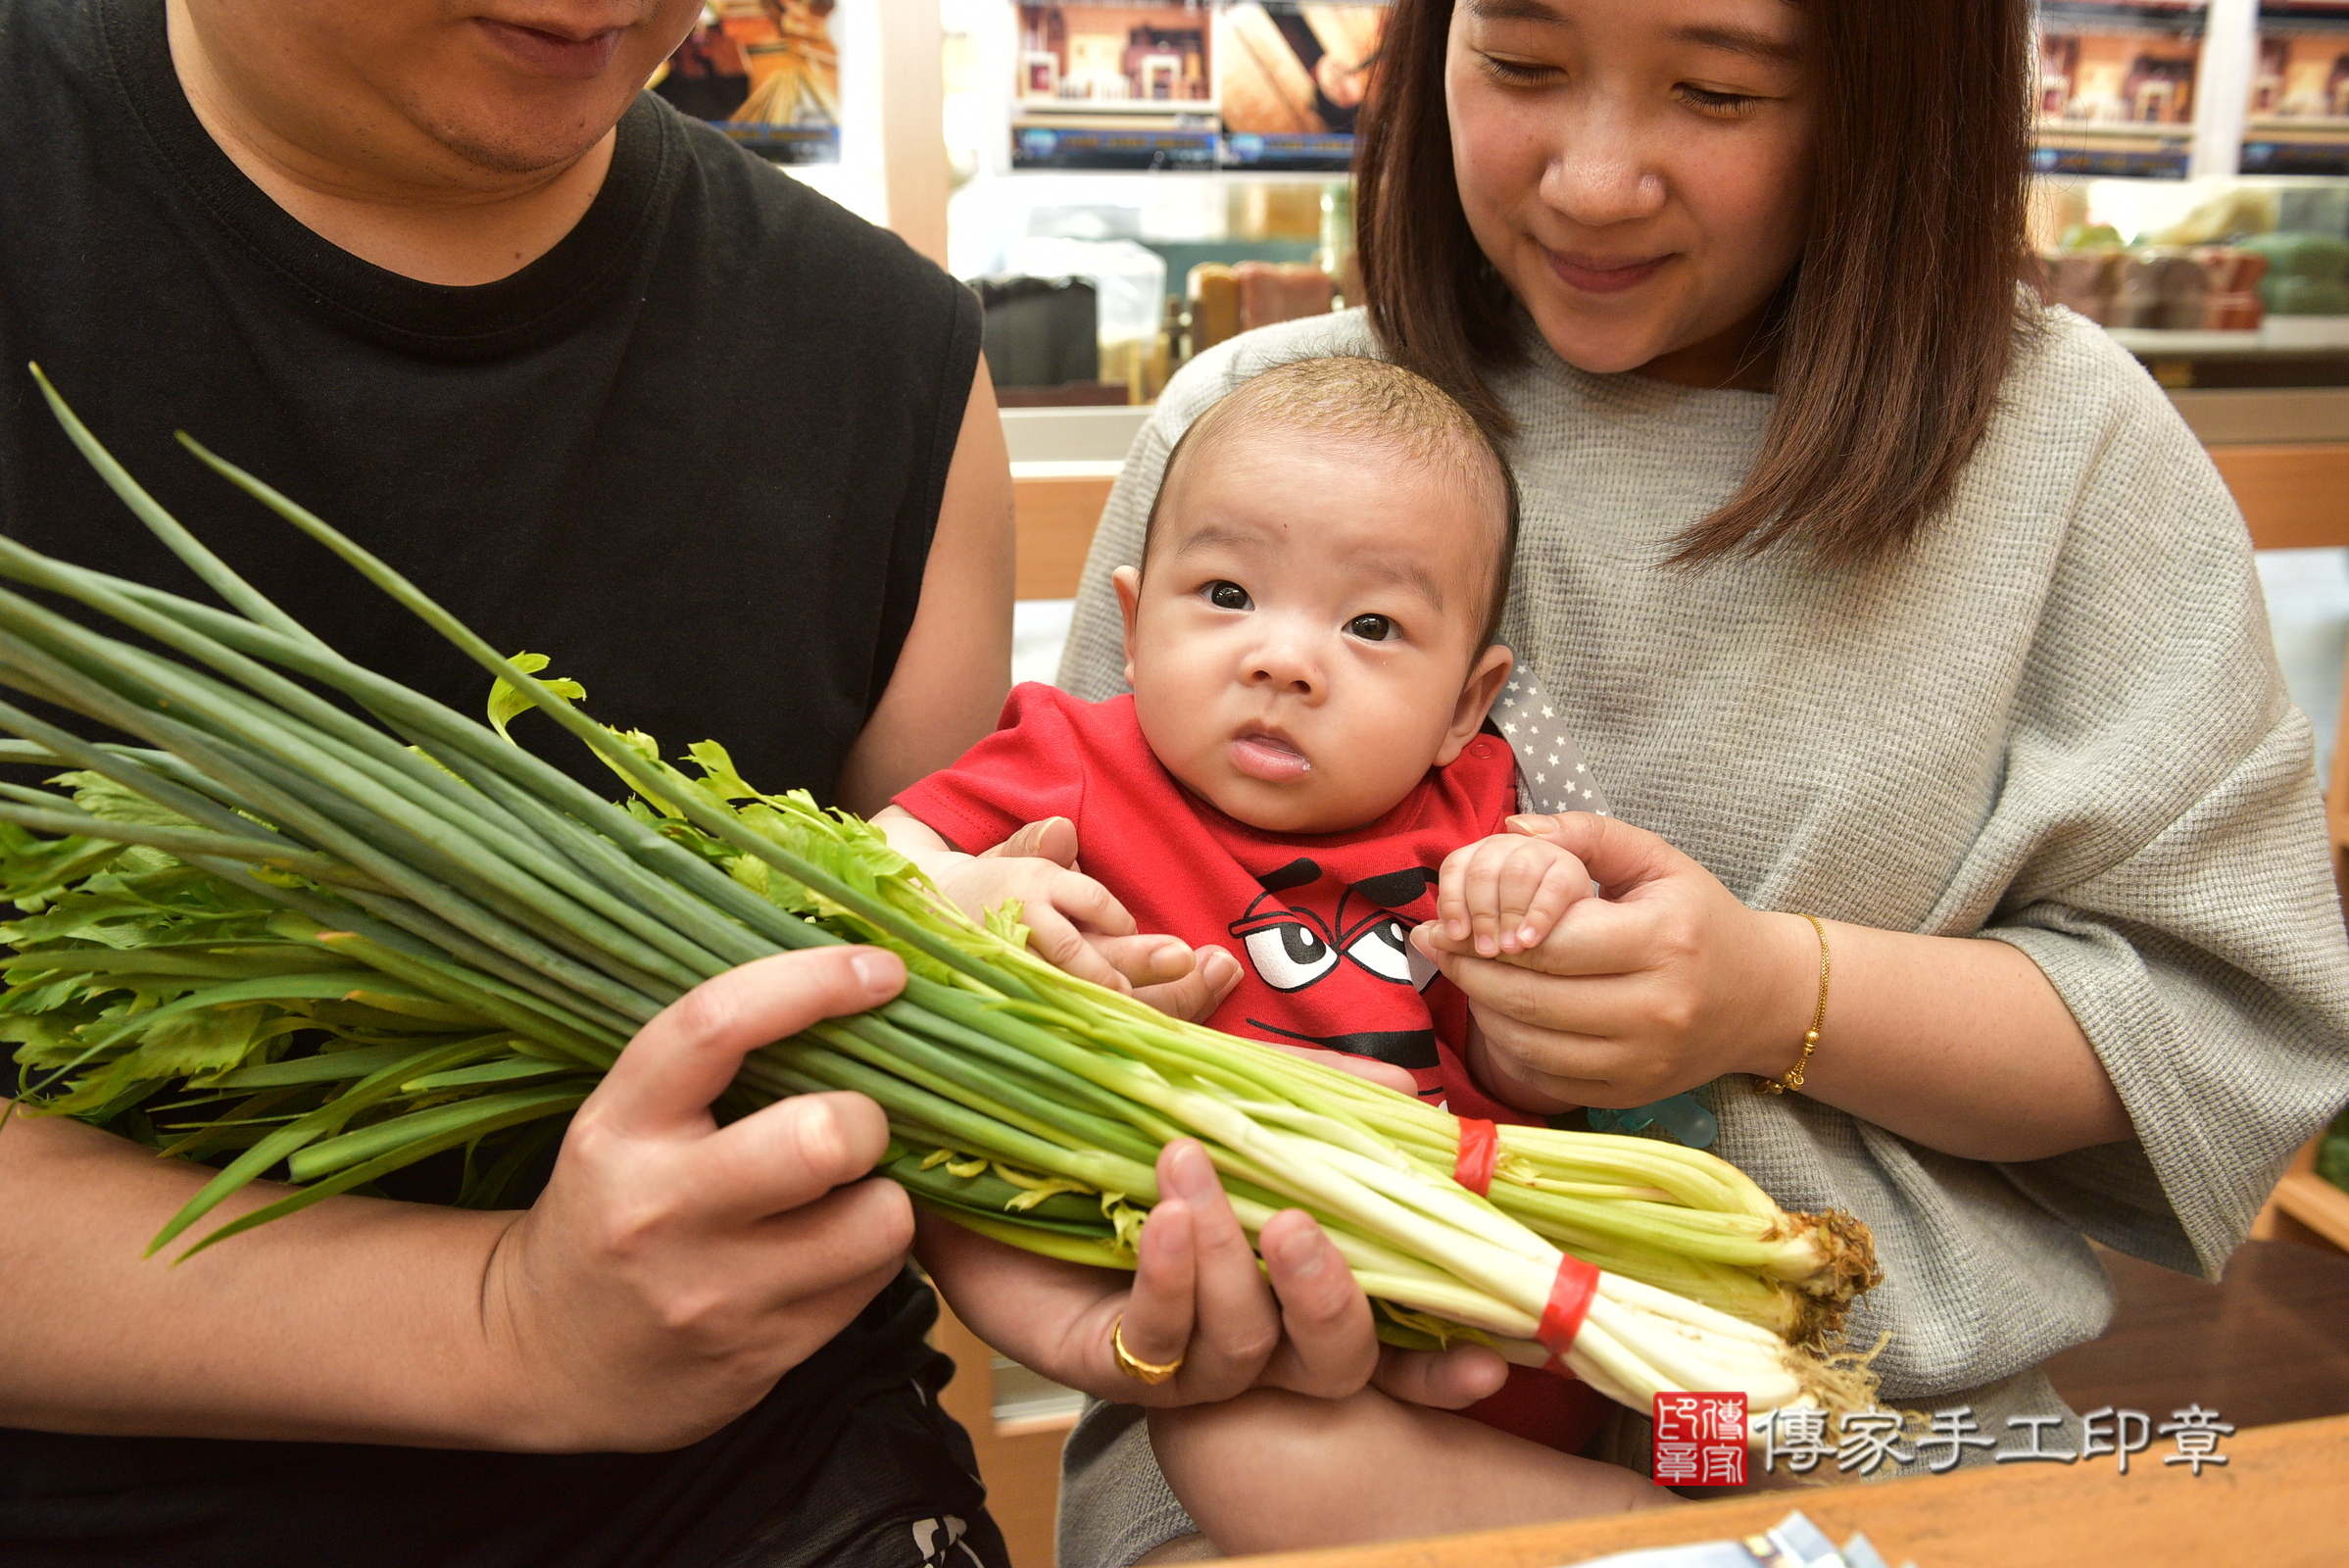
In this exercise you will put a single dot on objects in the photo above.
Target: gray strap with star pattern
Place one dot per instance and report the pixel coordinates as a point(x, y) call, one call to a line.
point(1551, 775)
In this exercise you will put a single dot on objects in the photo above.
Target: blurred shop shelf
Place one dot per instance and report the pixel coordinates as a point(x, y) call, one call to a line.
point(2264, 415)
point(2276, 334)
point(1077, 435)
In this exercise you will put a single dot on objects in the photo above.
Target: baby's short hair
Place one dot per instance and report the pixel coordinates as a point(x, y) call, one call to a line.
point(1356, 397)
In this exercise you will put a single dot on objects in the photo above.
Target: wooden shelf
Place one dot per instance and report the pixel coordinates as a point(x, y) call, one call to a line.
point(1029, 1426)
point(2315, 1203)
point(2265, 1345)
point(1019, 1461)
point(2305, 1207)
point(1055, 506)
point(2294, 495)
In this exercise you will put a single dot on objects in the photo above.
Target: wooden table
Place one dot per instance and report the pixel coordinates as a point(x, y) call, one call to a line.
point(2281, 1501)
point(2268, 1345)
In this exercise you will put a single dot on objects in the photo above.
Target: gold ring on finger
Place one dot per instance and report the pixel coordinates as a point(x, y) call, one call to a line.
point(1152, 1373)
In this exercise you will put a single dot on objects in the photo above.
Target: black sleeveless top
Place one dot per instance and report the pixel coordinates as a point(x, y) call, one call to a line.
point(693, 455)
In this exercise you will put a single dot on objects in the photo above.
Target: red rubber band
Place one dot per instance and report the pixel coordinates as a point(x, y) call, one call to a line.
point(1480, 1151)
point(1570, 1297)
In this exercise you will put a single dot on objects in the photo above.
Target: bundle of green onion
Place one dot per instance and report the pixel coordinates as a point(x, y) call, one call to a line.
point(298, 941)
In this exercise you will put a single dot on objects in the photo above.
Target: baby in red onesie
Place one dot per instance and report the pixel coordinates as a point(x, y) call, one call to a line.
point(1300, 775)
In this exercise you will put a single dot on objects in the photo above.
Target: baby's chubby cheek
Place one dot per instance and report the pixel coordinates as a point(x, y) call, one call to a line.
point(1181, 730)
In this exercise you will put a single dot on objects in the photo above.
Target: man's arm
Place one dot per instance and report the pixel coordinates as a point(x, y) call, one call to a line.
point(956, 667)
point(338, 1322)
point(669, 1274)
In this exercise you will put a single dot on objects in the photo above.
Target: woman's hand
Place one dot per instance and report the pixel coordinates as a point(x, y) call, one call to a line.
point(1299, 1323)
point(1073, 922)
point(674, 1269)
point(1665, 983)
point(1504, 894)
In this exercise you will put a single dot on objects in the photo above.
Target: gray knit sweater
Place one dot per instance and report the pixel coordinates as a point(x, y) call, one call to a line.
point(2056, 722)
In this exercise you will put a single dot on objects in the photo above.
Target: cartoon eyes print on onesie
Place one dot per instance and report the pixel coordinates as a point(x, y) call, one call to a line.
point(1293, 945)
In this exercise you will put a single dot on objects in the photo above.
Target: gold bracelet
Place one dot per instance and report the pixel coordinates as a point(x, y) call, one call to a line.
point(1810, 1042)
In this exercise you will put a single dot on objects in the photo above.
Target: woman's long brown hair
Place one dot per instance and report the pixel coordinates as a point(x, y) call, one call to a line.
point(1891, 334)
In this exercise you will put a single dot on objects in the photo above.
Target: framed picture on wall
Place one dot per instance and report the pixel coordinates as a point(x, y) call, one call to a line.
point(1115, 84)
point(765, 71)
point(2116, 83)
point(1291, 76)
point(2299, 107)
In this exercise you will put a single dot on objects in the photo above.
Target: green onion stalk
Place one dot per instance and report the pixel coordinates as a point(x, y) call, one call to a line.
point(306, 922)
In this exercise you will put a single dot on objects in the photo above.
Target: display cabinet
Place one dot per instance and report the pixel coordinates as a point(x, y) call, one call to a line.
point(996, 133)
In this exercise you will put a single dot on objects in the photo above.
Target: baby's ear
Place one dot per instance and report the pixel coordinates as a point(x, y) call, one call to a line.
point(1485, 677)
point(1127, 580)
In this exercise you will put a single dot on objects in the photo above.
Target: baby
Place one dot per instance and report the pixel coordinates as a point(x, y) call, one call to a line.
point(1299, 776)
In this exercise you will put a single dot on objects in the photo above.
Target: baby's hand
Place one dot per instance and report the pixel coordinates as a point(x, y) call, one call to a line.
point(1502, 894)
point(1073, 922)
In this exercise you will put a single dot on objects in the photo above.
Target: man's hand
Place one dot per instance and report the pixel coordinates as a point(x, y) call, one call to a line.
point(1298, 1322)
point(674, 1269)
point(670, 1272)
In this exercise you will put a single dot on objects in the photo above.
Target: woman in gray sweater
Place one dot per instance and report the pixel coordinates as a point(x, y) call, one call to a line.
point(1871, 591)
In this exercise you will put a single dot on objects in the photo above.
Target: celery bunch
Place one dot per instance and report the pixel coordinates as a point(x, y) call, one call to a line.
point(298, 941)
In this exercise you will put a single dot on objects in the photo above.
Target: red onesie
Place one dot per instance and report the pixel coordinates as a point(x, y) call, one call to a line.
point(1317, 922)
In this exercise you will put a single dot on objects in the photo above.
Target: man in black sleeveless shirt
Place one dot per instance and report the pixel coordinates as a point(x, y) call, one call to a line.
point(620, 395)
point(616, 393)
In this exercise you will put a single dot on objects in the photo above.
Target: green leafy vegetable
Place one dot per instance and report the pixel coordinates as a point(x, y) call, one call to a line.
point(509, 702)
point(310, 923)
